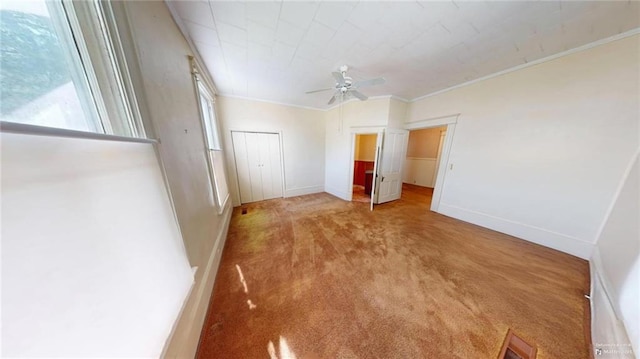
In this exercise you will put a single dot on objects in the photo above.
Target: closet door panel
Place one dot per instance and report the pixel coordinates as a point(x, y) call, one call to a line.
point(263, 149)
point(242, 166)
point(259, 165)
point(255, 166)
point(274, 170)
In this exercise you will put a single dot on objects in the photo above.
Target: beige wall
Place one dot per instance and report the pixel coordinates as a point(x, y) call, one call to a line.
point(424, 143)
point(163, 56)
point(302, 132)
point(538, 152)
point(365, 147)
point(616, 261)
point(341, 122)
point(397, 113)
point(93, 263)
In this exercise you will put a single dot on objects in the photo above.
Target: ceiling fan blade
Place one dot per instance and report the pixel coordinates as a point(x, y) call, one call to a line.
point(338, 76)
point(314, 91)
point(358, 95)
point(378, 81)
point(333, 99)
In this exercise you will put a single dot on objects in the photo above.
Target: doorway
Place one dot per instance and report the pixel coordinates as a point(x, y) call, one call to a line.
point(444, 148)
point(386, 176)
point(364, 160)
point(422, 161)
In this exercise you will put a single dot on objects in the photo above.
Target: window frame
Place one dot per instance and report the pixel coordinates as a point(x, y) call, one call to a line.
point(203, 89)
point(102, 64)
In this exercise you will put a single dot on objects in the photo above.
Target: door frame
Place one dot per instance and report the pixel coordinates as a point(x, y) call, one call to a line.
point(450, 121)
point(235, 167)
point(438, 156)
point(376, 130)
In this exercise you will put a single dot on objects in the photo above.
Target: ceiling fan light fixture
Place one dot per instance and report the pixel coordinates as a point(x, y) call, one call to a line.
point(345, 86)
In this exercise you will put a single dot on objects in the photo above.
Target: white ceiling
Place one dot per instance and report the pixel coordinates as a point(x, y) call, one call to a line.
point(277, 51)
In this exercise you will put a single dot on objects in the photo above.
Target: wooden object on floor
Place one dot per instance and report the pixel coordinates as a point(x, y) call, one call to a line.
point(359, 169)
point(516, 348)
point(368, 182)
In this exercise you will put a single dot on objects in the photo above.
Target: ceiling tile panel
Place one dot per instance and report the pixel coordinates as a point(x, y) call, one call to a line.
point(260, 34)
point(550, 42)
point(232, 34)
point(282, 55)
point(229, 12)
point(439, 9)
point(366, 13)
point(318, 34)
point(289, 34)
point(631, 18)
point(195, 11)
point(278, 50)
point(234, 55)
point(461, 33)
point(333, 14)
point(298, 13)
point(517, 26)
point(258, 52)
point(212, 54)
point(202, 34)
point(264, 12)
point(346, 37)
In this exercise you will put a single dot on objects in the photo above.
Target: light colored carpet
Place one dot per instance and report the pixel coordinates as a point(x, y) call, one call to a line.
point(329, 279)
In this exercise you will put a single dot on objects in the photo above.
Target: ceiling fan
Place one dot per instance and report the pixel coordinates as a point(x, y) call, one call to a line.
point(345, 86)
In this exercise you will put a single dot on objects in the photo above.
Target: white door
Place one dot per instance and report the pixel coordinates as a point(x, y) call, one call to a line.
point(270, 165)
point(243, 169)
point(374, 188)
point(255, 167)
point(258, 165)
point(394, 150)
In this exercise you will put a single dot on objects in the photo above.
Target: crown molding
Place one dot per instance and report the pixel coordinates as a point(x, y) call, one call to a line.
point(269, 101)
point(588, 46)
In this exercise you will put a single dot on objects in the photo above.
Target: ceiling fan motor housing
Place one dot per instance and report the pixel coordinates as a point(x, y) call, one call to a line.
point(345, 85)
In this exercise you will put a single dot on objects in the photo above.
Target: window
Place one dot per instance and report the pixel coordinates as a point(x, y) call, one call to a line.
point(61, 67)
point(212, 140)
point(208, 117)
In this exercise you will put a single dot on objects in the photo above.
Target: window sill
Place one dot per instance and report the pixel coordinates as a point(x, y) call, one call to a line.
point(11, 127)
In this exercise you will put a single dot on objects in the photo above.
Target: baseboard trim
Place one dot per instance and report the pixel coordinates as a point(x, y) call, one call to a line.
point(303, 191)
point(544, 237)
point(185, 338)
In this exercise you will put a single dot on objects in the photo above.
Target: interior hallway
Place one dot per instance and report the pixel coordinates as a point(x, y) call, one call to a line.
point(330, 279)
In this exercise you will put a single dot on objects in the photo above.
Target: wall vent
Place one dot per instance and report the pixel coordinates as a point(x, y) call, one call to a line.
point(515, 347)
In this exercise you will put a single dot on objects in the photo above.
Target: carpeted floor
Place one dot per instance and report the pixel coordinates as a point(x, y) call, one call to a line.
point(326, 278)
point(359, 195)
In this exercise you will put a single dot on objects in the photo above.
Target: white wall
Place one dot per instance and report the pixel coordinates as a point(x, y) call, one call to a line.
point(340, 124)
point(538, 152)
point(93, 264)
point(397, 113)
point(616, 262)
point(302, 132)
point(419, 171)
point(169, 94)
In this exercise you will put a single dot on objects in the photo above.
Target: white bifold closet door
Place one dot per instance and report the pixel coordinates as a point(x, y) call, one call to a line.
point(259, 165)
